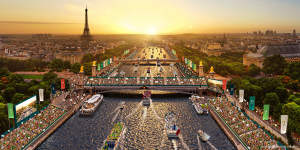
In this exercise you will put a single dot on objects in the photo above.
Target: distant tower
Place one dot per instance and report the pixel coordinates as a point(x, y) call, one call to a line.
point(294, 33)
point(86, 31)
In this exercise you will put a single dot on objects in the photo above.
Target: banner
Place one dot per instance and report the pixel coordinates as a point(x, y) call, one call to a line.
point(252, 103)
point(10, 109)
point(191, 64)
point(182, 58)
point(101, 65)
point(62, 84)
point(266, 112)
point(41, 94)
point(111, 60)
point(284, 123)
point(185, 60)
point(194, 67)
point(98, 67)
point(104, 63)
point(53, 88)
point(224, 85)
point(108, 61)
point(241, 95)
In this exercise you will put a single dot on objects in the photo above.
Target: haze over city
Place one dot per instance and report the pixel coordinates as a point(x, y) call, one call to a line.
point(148, 17)
point(149, 74)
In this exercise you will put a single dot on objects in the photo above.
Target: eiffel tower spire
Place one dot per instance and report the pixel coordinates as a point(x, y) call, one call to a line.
point(86, 31)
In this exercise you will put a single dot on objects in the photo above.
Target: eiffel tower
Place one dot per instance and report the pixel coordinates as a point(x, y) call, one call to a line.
point(86, 31)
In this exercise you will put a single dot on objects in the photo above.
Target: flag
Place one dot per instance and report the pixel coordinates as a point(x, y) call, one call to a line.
point(194, 67)
point(252, 103)
point(10, 109)
point(182, 58)
point(191, 64)
point(41, 95)
point(62, 84)
point(101, 65)
point(108, 61)
point(53, 89)
point(177, 132)
point(224, 85)
point(284, 123)
point(98, 67)
point(185, 60)
point(241, 95)
point(266, 112)
point(111, 60)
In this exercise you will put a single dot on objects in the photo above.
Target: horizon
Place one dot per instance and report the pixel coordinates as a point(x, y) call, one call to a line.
point(170, 17)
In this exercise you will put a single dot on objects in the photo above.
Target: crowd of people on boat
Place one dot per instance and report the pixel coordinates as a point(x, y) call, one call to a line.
point(254, 136)
point(19, 137)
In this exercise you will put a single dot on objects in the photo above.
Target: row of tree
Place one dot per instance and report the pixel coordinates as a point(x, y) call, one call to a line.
point(13, 89)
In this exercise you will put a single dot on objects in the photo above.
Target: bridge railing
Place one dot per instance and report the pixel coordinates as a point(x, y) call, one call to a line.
point(146, 81)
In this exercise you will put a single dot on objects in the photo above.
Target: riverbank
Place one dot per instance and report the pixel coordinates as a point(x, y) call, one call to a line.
point(34, 144)
point(226, 130)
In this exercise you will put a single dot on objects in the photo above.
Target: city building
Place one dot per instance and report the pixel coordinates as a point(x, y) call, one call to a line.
point(290, 52)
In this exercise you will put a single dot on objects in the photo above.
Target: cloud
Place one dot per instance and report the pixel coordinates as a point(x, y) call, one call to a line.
point(35, 22)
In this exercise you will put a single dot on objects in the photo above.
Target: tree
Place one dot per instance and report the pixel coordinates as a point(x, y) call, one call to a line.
point(4, 72)
point(57, 65)
point(75, 68)
point(2, 100)
point(273, 100)
point(18, 97)
point(67, 65)
point(9, 93)
point(293, 70)
point(87, 58)
point(16, 78)
point(293, 111)
point(282, 94)
point(274, 65)
point(50, 77)
point(253, 70)
point(88, 68)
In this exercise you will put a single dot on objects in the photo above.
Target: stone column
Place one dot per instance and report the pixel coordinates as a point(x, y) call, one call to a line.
point(200, 69)
point(94, 69)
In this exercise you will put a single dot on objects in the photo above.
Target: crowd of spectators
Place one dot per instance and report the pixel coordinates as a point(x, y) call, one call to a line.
point(145, 81)
point(72, 99)
point(185, 71)
point(254, 136)
point(19, 137)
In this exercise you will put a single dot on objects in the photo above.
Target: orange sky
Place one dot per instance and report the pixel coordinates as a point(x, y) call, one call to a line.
point(148, 16)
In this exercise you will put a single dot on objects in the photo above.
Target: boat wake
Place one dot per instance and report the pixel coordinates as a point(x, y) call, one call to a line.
point(199, 143)
point(175, 146)
point(154, 111)
point(115, 117)
point(144, 114)
point(139, 105)
point(183, 143)
point(211, 145)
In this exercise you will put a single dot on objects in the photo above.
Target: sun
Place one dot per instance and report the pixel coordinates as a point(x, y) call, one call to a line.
point(151, 31)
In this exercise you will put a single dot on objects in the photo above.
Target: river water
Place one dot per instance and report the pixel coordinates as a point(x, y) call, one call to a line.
point(144, 126)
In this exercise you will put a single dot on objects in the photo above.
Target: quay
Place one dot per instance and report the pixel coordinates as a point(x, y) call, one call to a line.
point(52, 128)
point(237, 142)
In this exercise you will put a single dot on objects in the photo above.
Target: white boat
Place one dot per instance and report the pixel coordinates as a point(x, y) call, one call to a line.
point(89, 106)
point(204, 136)
point(146, 101)
point(171, 128)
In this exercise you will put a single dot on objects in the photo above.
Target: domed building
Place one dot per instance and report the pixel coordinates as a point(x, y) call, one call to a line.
point(290, 52)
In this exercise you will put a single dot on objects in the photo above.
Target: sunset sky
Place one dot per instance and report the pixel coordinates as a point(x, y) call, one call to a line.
point(148, 16)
